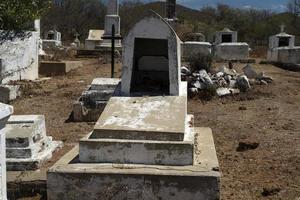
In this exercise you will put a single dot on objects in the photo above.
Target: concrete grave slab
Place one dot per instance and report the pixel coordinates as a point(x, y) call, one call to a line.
point(143, 118)
point(132, 181)
point(232, 51)
point(94, 39)
point(9, 93)
point(49, 68)
point(190, 48)
point(27, 145)
point(151, 152)
point(5, 112)
point(105, 83)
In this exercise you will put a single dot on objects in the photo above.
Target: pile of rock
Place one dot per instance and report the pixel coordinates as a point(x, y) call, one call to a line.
point(226, 81)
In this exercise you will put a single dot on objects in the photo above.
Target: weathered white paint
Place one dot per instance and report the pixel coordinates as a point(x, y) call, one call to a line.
point(5, 112)
point(225, 31)
point(27, 144)
point(289, 54)
point(19, 57)
point(70, 179)
point(52, 40)
point(94, 39)
point(152, 27)
point(232, 51)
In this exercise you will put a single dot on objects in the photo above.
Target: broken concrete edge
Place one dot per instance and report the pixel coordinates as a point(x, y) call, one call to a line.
point(5, 112)
point(205, 159)
point(35, 162)
point(9, 92)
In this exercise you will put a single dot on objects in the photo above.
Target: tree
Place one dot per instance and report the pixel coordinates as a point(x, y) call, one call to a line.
point(17, 14)
point(294, 7)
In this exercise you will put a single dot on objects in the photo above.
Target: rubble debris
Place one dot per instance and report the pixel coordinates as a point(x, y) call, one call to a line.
point(185, 70)
point(250, 72)
point(227, 91)
point(226, 81)
point(227, 71)
point(243, 83)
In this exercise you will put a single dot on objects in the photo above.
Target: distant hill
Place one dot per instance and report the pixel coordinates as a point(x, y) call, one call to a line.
point(254, 26)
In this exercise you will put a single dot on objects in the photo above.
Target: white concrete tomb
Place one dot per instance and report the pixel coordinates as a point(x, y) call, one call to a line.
point(227, 47)
point(112, 18)
point(5, 112)
point(282, 49)
point(151, 58)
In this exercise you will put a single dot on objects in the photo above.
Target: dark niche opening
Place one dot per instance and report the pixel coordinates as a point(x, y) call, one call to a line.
point(150, 72)
point(226, 38)
point(284, 42)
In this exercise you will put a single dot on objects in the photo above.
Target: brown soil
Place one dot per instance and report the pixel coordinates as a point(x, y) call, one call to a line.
point(257, 134)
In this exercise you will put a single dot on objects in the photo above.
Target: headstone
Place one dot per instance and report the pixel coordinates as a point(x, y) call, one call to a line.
point(113, 7)
point(151, 58)
point(37, 25)
point(227, 47)
point(52, 40)
point(94, 39)
point(282, 48)
point(5, 112)
point(112, 18)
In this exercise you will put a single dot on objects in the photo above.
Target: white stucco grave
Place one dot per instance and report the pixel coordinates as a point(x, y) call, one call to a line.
point(18, 56)
point(190, 48)
point(27, 145)
point(227, 47)
point(5, 112)
point(282, 49)
point(151, 40)
point(51, 40)
point(94, 39)
point(144, 145)
point(112, 18)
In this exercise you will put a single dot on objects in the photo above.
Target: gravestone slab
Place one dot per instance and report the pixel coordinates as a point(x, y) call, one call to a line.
point(27, 144)
point(143, 118)
point(5, 112)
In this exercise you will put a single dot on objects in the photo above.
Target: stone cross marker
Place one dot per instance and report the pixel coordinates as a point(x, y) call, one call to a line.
point(113, 7)
point(282, 27)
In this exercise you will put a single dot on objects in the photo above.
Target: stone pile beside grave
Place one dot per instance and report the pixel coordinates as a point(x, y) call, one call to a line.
point(27, 145)
point(226, 81)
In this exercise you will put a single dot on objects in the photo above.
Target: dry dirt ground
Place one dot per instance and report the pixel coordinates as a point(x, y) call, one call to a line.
point(266, 120)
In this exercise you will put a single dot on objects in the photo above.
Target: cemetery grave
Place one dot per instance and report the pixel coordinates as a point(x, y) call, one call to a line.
point(133, 136)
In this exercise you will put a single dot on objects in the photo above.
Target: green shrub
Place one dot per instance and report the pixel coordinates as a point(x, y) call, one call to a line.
point(200, 61)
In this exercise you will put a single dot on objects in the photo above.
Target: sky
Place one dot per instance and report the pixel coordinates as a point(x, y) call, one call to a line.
point(274, 5)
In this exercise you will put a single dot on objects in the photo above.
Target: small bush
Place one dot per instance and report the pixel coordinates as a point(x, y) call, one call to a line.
point(199, 61)
point(208, 93)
